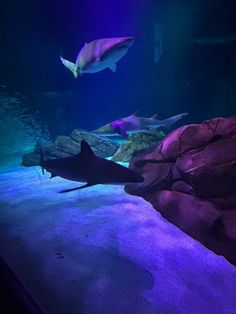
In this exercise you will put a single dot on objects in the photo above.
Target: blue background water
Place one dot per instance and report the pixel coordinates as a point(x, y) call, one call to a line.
point(199, 79)
point(118, 254)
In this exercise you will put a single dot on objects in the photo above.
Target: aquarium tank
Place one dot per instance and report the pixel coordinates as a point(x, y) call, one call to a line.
point(118, 157)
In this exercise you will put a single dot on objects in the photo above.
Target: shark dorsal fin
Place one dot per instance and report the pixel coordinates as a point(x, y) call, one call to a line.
point(85, 149)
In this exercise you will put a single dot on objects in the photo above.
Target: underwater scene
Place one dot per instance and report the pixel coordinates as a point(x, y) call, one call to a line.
point(118, 157)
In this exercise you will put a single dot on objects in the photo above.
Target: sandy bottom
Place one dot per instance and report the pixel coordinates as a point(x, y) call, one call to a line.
point(101, 251)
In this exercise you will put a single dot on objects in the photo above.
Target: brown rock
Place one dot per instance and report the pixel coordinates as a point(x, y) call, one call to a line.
point(157, 177)
point(225, 225)
point(65, 146)
point(101, 145)
point(225, 203)
point(211, 155)
point(190, 213)
point(222, 127)
point(181, 186)
point(184, 139)
point(198, 184)
point(211, 169)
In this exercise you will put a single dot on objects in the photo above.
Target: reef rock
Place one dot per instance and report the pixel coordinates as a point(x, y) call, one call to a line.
point(65, 146)
point(192, 214)
point(136, 142)
point(225, 225)
point(190, 177)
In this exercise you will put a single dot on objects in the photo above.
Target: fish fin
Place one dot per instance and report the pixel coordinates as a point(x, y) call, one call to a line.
point(167, 123)
point(113, 67)
point(70, 66)
point(155, 116)
point(78, 188)
point(85, 150)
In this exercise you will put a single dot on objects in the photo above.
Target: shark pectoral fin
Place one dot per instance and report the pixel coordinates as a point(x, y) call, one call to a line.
point(113, 67)
point(70, 66)
point(78, 188)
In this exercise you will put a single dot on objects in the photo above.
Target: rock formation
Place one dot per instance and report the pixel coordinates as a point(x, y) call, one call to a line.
point(136, 142)
point(70, 145)
point(190, 177)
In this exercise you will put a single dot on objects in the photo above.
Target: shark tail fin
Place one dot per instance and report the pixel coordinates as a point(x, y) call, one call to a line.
point(70, 66)
point(172, 120)
point(41, 160)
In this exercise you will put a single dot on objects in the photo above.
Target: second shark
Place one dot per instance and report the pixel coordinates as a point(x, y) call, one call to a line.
point(134, 124)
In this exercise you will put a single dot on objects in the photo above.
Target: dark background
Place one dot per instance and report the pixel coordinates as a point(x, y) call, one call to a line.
point(197, 78)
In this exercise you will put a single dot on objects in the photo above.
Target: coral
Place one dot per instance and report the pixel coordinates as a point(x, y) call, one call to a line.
point(137, 141)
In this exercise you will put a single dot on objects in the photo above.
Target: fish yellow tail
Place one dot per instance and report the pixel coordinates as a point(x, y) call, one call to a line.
point(70, 66)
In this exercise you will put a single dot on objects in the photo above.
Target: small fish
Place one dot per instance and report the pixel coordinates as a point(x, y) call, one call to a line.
point(98, 55)
point(135, 124)
point(87, 167)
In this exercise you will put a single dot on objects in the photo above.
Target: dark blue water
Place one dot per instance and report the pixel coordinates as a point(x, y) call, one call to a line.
point(197, 78)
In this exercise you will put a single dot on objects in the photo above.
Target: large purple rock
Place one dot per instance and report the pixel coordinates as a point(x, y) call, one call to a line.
point(190, 177)
point(225, 203)
point(222, 127)
point(191, 214)
point(182, 186)
point(225, 225)
point(192, 136)
point(210, 169)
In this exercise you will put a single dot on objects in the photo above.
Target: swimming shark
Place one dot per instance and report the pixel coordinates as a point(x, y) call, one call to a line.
point(89, 168)
point(98, 55)
point(134, 124)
